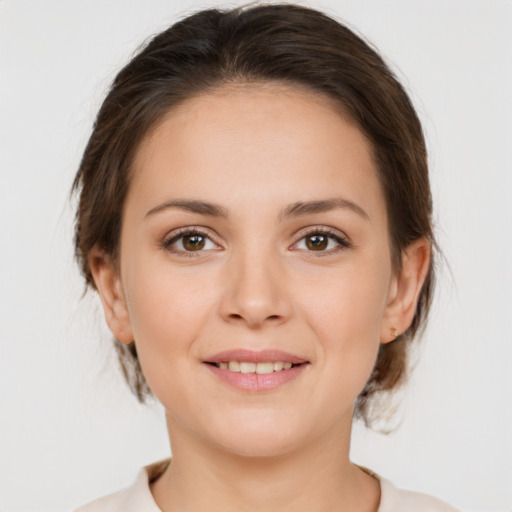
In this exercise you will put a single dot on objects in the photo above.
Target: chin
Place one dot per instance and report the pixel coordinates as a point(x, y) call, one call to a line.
point(260, 440)
point(260, 448)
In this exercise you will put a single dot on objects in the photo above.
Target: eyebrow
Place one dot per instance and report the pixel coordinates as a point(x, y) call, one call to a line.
point(293, 210)
point(325, 205)
point(194, 206)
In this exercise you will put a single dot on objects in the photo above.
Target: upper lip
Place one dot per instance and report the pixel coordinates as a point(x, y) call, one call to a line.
point(253, 356)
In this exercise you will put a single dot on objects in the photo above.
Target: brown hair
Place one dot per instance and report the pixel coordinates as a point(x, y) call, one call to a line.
point(268, 43)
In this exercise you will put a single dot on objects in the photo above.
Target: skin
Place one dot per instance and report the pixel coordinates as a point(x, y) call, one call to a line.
point(254, 150)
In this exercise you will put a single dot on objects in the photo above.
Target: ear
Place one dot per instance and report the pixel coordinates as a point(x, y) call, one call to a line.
point(107, 280)
point(405, 289)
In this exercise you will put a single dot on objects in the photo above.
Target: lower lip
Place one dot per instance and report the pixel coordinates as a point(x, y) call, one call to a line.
point(257, 382)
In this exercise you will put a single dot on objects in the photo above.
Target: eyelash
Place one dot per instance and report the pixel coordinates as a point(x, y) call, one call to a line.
point(342, 241)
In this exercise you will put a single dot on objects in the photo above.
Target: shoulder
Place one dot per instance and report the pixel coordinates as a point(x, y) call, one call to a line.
point(398, 500)
point(112, 502)
point(135, 498)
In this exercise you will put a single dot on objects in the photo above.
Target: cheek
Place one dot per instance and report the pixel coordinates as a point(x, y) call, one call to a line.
point(167, 317)
point(348, 305)
point(166, 307)
point(167, 312)
point(345, 312)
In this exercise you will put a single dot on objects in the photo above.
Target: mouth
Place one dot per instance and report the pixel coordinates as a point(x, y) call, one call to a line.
point(261, 368)
point(252, 371)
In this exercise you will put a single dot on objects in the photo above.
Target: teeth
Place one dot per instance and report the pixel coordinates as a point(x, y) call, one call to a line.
point(262, 368)
point(234, 366)
point(247, 367)
point(259, 368)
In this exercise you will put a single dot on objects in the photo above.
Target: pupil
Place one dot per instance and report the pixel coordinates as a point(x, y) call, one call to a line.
point(193, 242)
point(317, 242)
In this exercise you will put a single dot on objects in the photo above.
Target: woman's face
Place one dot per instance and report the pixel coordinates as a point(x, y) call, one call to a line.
point(255, 232)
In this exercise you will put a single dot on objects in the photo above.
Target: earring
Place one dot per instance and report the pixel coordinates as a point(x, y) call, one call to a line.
point(394, 332)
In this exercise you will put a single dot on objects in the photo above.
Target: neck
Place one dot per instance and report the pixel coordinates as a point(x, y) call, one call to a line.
point(317, 476)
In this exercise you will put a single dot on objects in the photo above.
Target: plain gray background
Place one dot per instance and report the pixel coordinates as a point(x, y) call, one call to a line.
point(69, 429)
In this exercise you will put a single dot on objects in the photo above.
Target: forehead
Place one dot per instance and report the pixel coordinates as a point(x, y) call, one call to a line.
point(268, 142)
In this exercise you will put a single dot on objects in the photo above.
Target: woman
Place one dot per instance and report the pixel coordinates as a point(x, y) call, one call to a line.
point(255, 214)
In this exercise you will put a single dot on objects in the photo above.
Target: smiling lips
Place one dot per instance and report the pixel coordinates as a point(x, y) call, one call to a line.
point(256, 371)
point(259, 368)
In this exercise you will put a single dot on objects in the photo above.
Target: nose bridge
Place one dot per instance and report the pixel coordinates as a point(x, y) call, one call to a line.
point(255, 290)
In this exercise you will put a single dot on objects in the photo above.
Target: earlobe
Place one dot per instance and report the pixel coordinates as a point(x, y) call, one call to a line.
point(108, 283)
point(405, 290)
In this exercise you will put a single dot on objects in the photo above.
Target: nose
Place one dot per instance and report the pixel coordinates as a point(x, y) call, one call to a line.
point(255, 291)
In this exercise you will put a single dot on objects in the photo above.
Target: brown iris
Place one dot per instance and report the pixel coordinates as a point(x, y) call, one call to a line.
point(193, 242)
point(317, 242)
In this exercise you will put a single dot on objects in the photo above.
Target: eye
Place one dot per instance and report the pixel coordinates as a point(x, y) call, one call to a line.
point(322, 241)
point(189, 241)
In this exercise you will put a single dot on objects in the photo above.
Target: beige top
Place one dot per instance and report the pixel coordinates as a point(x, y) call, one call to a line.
point(138, 497)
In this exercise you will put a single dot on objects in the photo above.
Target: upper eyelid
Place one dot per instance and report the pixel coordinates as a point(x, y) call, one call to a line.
point(324, 230)
point(200, 230)
point(320, 229)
